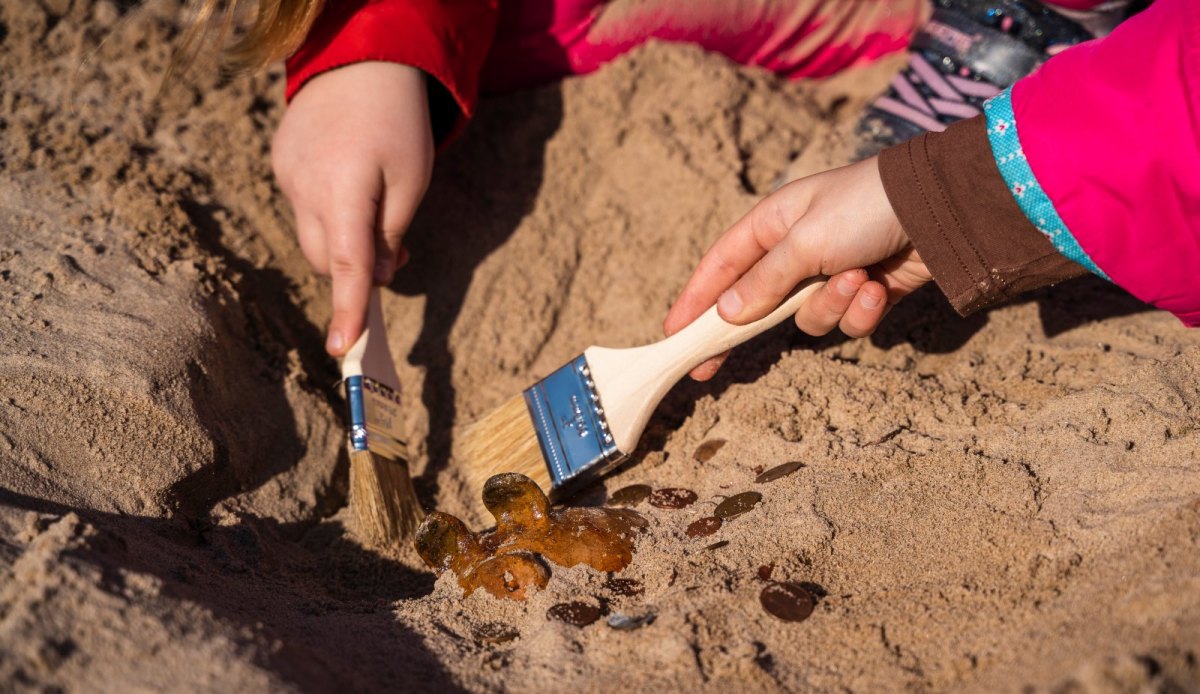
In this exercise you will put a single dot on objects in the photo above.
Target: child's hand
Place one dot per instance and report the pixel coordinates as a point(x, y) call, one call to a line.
point(353, 154)
point(834, 223)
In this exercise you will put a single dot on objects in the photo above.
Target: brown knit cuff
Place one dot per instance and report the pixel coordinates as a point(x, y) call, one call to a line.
point(959, 214)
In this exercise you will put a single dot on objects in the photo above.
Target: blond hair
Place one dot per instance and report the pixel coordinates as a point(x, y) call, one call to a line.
point(278, 29)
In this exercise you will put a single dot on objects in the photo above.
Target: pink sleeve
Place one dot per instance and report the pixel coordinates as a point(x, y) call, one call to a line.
point(1111, 133)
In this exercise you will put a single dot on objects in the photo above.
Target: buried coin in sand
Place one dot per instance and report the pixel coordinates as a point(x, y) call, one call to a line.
point(704, 527)
point(672, 497)
point(632, 495)
point(737, 504)
point(625, 586)
point(787, 601)
point(580, 614)
point(529, 536)
point(705, 451)
point(778, 471)
point(494, 632)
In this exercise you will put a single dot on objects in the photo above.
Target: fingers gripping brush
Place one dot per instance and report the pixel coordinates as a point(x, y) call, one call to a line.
point(381, 492)
point(586, 417)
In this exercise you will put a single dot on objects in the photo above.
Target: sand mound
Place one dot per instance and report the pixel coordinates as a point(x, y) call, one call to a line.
point(1007, 500)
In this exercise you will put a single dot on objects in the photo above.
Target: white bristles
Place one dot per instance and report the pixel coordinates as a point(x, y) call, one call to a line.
point(503, 441)
point(382, 497)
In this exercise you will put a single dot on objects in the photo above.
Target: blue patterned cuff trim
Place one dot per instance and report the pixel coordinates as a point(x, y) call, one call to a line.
point(1006, 148)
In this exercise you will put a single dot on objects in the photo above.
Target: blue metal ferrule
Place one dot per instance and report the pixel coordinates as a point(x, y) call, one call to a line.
point(357, 409)
point(570, 423)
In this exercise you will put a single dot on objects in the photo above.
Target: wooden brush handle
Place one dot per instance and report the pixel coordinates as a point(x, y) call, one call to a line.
point(710, 335)
point(370, 355)
point(631, 382)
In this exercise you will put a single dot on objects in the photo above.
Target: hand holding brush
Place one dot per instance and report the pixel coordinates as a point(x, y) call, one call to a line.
point(587, 416)
point(838, 223)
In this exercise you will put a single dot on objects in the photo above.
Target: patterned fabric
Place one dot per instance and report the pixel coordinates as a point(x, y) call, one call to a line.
point(930, 100)
point(1032, 199)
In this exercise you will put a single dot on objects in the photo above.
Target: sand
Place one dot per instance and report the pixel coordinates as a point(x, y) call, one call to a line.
point(1005, 502)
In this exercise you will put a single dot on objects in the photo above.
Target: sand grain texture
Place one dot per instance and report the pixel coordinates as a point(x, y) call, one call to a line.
point(990, 503)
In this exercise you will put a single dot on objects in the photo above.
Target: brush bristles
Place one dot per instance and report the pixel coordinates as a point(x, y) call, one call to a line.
point(383, 499)
point(503, 441)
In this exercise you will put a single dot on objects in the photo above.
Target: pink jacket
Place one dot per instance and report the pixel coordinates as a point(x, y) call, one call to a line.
point(1101, 149)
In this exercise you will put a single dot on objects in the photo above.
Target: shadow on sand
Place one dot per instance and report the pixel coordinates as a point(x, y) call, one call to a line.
point(325, 604)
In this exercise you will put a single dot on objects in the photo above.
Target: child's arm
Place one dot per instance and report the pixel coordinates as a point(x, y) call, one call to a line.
point(1109, 131)
point(447, 40)
point(1097, 151)
point(368, 90)
point(1103, 177)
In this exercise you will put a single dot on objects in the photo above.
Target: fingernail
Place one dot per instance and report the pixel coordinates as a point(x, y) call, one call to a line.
point(847, 287)
point(383, 272)
point(730, 304)
point(335, 342)
point(870, 301)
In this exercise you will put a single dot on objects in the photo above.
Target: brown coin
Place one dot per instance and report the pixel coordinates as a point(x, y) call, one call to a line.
point(737, 504)
point(494, 632)
point(625, 586)
point(672, 497)
point(787, 601)
point(717, 545)
point(779, 471)
point(705, 451)
point(580, 614)
point(632, 495)
point(704, 527)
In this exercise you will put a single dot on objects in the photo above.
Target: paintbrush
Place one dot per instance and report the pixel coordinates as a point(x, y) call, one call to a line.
point(586, 418)
point(381, 492)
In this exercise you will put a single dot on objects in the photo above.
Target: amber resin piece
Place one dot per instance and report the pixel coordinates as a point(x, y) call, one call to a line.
point(529, 533)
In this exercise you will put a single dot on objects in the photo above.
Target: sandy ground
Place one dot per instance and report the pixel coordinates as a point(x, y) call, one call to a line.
point(1005, 502)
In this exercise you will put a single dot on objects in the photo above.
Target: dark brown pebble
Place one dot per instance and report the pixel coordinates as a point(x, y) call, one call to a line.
point(818, 591)
point(787, 601)
point(580, 614)
point(672, 497)
point(624, 586)
point(632, 495)
point(779, 471)
point(737, 504)
point(765, 571)
point(705, 451)
point(704, 527)
point(718, 545)
point(494, 632)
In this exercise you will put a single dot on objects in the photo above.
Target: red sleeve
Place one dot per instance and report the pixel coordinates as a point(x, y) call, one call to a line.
point(447, 39)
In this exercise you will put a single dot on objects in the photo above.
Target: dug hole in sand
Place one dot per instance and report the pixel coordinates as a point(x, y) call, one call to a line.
point(990, 503)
